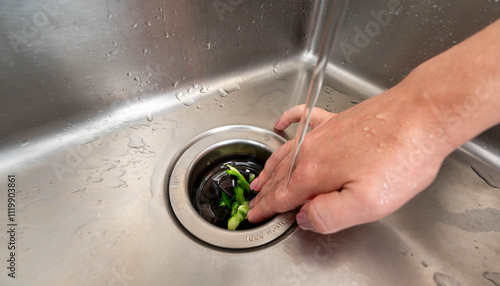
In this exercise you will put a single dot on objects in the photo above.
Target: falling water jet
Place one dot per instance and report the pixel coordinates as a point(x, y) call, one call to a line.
point(335, 15)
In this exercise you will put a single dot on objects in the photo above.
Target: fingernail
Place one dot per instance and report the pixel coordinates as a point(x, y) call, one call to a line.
point(251, 203)
point(303, 221)
point(254, 183)
point(277, 122)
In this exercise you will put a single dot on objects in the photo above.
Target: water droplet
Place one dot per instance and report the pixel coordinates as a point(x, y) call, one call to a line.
point(385, 64)
point(136, 78)
point(424, 264)
point(117, 173)
point(199, 107)
point(492, 276)
point(208, 45)
point(204, 89)
point(366, 128)
point(222, 92)
point(342, 61)
point(232, 88)
point(93, 179)
point(382, 145)
point(179, 96)
point(78, 190)
point(444, 280)
point(117, 183)
point(380, 116)
point(221, 105)
point(188, 101)
point(175, 83)
point(391, 78)
point(134, 25)
point(149, 117)
point(135, 142)
point(129, 74)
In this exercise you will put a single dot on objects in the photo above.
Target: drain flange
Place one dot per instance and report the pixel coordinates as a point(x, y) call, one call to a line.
point(246, 143)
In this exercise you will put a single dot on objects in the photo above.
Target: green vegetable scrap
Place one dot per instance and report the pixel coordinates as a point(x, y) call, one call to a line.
point(238, 203)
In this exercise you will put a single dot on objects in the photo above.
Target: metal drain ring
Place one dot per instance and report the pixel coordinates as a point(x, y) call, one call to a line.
point(222, 141)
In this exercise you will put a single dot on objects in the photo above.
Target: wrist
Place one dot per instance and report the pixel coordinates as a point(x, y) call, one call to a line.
point(462, 100)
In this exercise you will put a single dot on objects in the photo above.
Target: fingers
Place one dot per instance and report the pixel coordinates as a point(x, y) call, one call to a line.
point(271, 164)
point(294, 114)
point(332, 212)
point(270, 203)
point(278, 196)
point(274, 196)
point(290, 116)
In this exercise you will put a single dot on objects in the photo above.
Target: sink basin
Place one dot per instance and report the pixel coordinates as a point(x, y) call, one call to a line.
point(99, 99)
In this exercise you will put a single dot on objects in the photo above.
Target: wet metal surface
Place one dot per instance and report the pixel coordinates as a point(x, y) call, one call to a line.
point(98, 99)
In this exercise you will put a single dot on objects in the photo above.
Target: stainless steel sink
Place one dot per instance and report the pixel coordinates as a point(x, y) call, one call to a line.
point(98, 99)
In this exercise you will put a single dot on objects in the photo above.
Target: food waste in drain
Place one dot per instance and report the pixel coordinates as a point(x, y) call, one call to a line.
point(222, 195)
point(238, 203)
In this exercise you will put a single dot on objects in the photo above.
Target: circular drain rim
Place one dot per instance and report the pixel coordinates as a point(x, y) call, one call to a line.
point(178, 193)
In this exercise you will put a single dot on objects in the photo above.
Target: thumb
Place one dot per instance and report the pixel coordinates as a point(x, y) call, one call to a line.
point(334, 211)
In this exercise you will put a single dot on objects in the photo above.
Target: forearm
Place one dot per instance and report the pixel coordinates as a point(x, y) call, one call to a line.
point(460, 88)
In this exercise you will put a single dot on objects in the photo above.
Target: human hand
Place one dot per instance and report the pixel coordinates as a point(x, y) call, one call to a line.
point(364, 163)
point(353, 167)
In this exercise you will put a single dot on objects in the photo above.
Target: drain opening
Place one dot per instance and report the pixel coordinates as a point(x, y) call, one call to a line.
point(199, 177)
point(206, 187)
